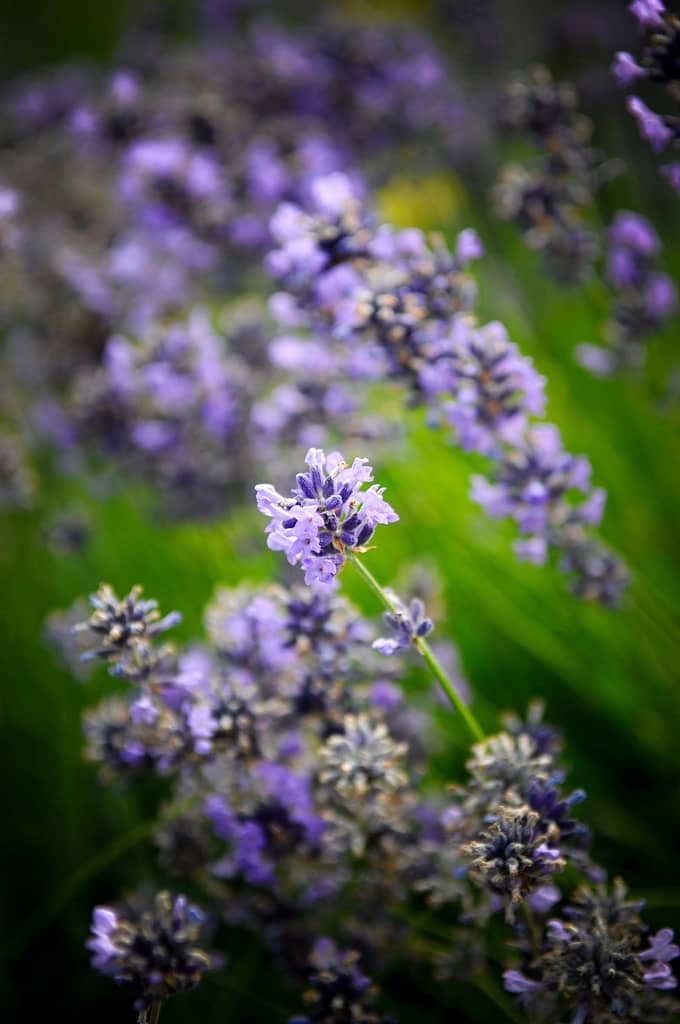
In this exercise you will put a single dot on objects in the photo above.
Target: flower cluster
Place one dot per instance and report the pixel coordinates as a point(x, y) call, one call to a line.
point(645, 296)
point(547, 201)
point(401, 307)
point(151, 947)
point(591, 964)
point(513, 857)
point(328, 516)
point(125, 630)
point(175, 401)
point(338, 990)
point(538, 484)
point(657, 64)
point(137, 196)
point(296, 797)
point(408, 624)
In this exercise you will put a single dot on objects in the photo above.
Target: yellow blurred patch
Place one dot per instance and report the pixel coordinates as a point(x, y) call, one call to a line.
point(431, 203)
point(379, 10)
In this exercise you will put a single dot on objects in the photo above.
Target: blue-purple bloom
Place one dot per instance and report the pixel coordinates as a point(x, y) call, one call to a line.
point(338, 990)
point(661, 951)
point(515, 856)
point(590, 965)
point(120, 625)
point(652, 126)
point(645, 296)
point(495, 388)
point(327, 516)
point(626, 71)
point(408, 624)
point(401, 306)
point(151, 947)
point(648, 13)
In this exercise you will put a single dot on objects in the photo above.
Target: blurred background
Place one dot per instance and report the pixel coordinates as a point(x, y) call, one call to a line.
point(609, 678)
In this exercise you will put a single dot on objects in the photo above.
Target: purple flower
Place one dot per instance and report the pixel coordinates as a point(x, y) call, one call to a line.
point(660, 297)
point(672, 172)
point(634, 232)
point(661, 951)
point(495, 388)
point(408, 623)
point(337, 988)
point(516, 982)
point(625, 70)
point(652, 127)
point(328, 514)
point(533, 550)
point(544, 898)
point(648, 13)
point(598, 360)
point(152, 948)
point(468, 247)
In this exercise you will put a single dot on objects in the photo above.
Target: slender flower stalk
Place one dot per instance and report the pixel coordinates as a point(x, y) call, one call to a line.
point(423, 648)
point(330, 519)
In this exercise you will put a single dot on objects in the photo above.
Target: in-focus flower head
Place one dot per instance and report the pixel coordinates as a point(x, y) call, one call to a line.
point(408, 624)
point(328, 516)
point(515, 856)
point(151, 947)
point(119, 625)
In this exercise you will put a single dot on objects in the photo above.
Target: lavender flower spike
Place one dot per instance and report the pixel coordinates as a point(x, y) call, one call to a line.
point(408, 623)
point(327, 515)
point(151, 947)
point(329, 519)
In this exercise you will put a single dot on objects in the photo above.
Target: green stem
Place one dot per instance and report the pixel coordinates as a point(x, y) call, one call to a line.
point(155, 1013)
point(424, 649)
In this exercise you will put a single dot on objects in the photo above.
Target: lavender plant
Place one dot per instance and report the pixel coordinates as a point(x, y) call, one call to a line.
point(658, 64)
point(646, 297)
point(548, 199)
point(151, 948)
point(329, 520)
point(550, 202)
point(137, 196)
point(298, 793)
point(401, 308)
